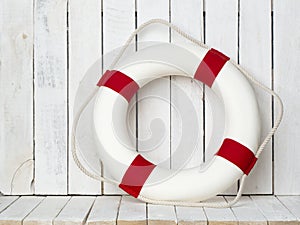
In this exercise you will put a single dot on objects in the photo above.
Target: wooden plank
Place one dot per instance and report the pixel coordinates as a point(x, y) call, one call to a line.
point(221, 33)
point(154, 98)
point(14, 214)
point(45, 212)
point(190, 215)
point(104, 211)
point(75, 212)
point(255, 57)
point(246, 212)
point(292, 203)
point(16, 90)
point(186, 94)
point(286, 84)
point(274, 211)
point(118, 24)
point(222, 216)
point(6, 201)
point(84, 53)
point(50, 71)
point(161, 214)
point(132, 212)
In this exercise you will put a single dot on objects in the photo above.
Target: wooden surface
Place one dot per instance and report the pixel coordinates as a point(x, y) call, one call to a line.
point(255, 39)
point(111, 210)
point(118, 24)
point(286, 69)
point(85, 27)
point(105, 210)
point(16, 97)
point(50, 97)
point(47, 47)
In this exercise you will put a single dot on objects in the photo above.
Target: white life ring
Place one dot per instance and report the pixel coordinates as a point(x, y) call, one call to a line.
point(140, 177)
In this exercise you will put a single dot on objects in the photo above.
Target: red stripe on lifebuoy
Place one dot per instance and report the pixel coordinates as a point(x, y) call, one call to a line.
point(210, 67)
point(120, 83)
point(136, 175)
point(237, 154)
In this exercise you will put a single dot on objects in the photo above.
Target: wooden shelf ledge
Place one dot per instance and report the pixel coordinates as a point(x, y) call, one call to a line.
point(124, 210)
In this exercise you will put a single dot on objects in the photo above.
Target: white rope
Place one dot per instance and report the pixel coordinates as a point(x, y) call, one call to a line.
point(179, 203)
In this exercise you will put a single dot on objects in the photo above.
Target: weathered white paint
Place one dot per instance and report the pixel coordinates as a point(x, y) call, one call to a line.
point(118, 24)
point(287, 84)
point(247, 213)
point(161, 214)
point(50, 96)
point(274, 211)
point(292, 203)
point(84, 50)
point(104, 211)
point(255, 56)
point(221, 33)
point(132, 211)
point(107, 210)
point(223, 216)
point(19, 210)
point(6, 201)
point(186, 92)
point(75, 212)
point(46, 211)
point(190, 215)
point(49, 26)
point(16, 102)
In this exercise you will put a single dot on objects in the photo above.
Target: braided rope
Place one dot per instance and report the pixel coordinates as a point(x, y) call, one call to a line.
point(179, 203)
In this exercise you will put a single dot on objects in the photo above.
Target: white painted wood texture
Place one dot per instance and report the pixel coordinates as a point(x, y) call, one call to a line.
point(104, 211)
point(19, 210)
point(247, 213)
point(287, 84)
point(55, 42)
point(75, 212)
point(190, 215)
point(118, 24)
point(274, 211)
point(161, 214)
point(85, 49)
point(186, 94)
point(50, 97)
point(255, 56)
point(107, 210)
point(46, 211)
point(6, 201)
point(221, 33)
point(16, 102)
point(132, 211)
point(292, 203)
point(220, 216)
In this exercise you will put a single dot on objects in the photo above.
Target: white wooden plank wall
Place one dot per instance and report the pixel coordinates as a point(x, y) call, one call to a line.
point(46, 47)
point(16, 90)
point(287, 84)
point(50, 97)
point(85, 48)
point(118, 24)
point(255, 39)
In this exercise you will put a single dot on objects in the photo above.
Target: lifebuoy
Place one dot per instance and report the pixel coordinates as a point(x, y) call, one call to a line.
point(140, 177)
